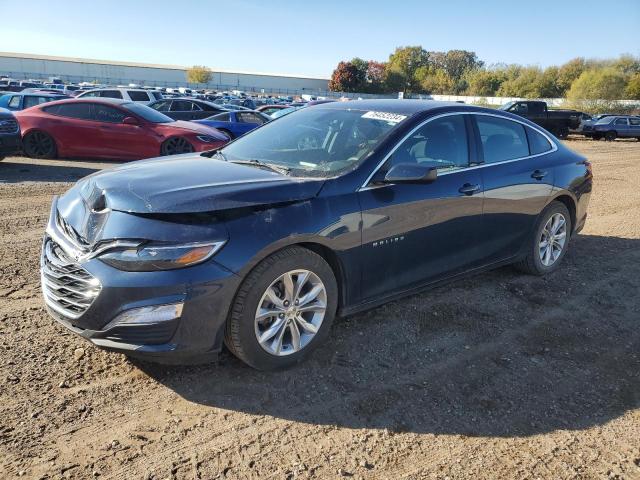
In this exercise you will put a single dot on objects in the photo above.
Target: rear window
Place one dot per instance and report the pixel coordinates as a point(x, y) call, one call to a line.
point(72, 110)
point(538, 143)
point(138, 96)
point(111, 94)
point(502, 139)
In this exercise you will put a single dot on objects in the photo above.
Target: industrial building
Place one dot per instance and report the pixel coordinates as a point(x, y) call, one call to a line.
point(22, 66)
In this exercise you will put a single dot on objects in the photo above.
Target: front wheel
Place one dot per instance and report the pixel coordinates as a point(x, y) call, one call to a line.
point(175, 146)
point(39, 145)
point(563, 133)
point(550, 241)
point(610, 136)
point(283, 309)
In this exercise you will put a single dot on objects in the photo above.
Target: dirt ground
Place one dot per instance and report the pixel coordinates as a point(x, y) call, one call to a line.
point(498, 376)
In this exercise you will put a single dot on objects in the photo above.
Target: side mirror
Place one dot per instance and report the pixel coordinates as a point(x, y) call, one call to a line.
point(131, 121)
point(411, 173)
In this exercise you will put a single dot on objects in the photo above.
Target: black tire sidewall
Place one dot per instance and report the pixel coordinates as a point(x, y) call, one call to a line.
point(243, 310)
point(551, 209)
point(50, 154)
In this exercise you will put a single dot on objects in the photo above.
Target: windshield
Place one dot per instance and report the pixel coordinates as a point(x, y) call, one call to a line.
point(315, 141)
point(148, 113)
point(507, 106)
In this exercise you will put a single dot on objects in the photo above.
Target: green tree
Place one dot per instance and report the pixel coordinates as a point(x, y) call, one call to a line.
point(600, 84)
point(404, 63)
point(569, 72)
point(436, 80)
point(484, 83)
point(627, 64)
point(525, 84)
point(199, 74)
point(632, 91)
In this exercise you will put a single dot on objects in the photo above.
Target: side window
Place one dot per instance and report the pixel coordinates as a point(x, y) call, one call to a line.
point(138, 96)
point(537, 142)
point(441, 143)
point(92, 94)
point(501, 139)
point(15, 102)
point(536, 107)
point(31, 101)
point(634, 121)
point(161, 106)
point(620, 121)
point(181, 106)
point(105, 113)
point(111, 94)
point(73, 110)
point(222, 117)
point(521, 108)
point(195, 107)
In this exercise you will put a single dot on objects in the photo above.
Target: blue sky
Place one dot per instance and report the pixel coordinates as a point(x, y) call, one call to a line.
point(309, 38)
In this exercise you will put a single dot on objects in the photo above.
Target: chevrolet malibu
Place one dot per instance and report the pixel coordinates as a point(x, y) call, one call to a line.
point(330, 210)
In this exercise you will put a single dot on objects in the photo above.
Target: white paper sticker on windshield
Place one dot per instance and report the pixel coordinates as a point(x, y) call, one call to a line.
point(385, 116)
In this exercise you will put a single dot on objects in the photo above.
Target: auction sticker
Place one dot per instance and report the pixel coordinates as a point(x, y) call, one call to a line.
point(385, 116)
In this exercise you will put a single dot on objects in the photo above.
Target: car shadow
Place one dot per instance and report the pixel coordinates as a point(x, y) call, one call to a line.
point(49, 170)
point(498, 354)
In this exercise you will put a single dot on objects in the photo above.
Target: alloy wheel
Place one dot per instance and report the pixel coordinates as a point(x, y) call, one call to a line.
point(39, 145)
point(176, 145)
point(552, 239)
point(290, 312)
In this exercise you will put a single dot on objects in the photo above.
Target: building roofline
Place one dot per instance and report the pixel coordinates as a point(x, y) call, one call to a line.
point(32, 56)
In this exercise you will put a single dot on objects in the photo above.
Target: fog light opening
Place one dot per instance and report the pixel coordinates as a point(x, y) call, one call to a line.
point(147, 315)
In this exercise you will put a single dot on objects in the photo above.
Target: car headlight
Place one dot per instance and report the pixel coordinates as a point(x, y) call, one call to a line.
point(206, 138)
point(161, 257)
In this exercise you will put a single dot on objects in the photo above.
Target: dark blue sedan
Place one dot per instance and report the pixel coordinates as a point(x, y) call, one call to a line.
point(327, 211)
point(236, 123)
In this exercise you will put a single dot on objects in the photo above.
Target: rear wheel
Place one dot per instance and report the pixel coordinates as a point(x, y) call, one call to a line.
point(549, 242)
point(610, 136)
point(562, 133)
point(283, 309)
point(175, 146)
point(227, 133)
point(39, 145)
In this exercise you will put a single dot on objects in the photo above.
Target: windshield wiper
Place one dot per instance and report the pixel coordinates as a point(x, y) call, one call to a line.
point(269, 166)
point(214, 153)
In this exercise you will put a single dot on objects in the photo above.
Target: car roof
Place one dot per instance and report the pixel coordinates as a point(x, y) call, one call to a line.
point(41, 94)
point(106, 101)
point(404, 107)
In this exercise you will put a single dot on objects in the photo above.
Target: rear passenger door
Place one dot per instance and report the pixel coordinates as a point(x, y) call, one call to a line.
point(181, 110)
point(621, 126)
point(517, 174)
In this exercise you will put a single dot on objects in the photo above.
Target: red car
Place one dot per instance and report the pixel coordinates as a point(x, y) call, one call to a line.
point(109, 128)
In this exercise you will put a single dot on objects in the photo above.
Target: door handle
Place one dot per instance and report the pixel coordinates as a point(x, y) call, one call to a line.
point(469, 189)
point(539, 174)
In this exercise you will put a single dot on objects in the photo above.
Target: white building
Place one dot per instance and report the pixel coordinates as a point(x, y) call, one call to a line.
point(21, 66)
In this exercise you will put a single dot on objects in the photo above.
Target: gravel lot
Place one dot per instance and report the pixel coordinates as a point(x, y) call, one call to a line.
point(498, 376)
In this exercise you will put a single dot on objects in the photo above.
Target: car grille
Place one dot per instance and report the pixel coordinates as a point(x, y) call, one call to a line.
point(68, 288)
point(8, 126)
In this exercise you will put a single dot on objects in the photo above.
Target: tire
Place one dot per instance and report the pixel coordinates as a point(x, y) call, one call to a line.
point(563, 133)
point(39, 144)
point(227, 133)
point(175, 146)
point(534, 262)
point(243, 327)
point(610, 136)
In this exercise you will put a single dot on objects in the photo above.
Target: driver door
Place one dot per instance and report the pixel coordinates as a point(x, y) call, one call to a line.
point(416, 233)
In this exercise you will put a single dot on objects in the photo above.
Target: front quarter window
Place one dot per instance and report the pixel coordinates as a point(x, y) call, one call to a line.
point(316, 141)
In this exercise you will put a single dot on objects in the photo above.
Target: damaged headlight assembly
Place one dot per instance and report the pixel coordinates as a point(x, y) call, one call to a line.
point(149, 258)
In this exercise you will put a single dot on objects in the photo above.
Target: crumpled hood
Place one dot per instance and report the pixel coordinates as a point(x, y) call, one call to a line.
point(193, 127)
point(188, 183)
